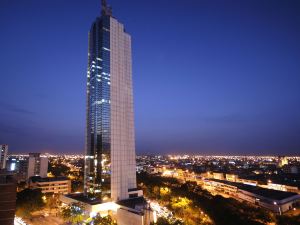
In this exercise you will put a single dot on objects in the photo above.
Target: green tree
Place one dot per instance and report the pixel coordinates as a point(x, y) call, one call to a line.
point(58, 169)
point(73, 213)
point(198, 206)
point(165, 221)
point(29, 201)
point(52, 201)
point(106, 220)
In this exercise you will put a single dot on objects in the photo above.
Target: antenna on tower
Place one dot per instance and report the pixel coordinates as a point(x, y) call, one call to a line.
point(106, 10)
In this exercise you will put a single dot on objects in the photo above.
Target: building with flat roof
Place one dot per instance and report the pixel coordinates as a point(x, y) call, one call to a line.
point(53, 185)
point(132, 211)
point(274, 200)
point(232, 177)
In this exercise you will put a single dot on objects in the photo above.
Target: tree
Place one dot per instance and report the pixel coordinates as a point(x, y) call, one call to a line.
point(58, 169)
point(165, 221)
point(52, 202)
point(194, 205)
point(73, 213)
point(28, 201)
point(106, 220)
point(288, 220)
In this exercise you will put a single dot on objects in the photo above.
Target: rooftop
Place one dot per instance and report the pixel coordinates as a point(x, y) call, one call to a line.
point(137, 204)
point(47, 179)
point(264, 192)
point(133, 189)
point(82, 198)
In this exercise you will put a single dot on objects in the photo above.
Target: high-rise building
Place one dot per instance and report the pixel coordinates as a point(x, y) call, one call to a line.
point(110, 150)
point(28, 166)
point(19, 165)
point(110, 168)
point(3, 155)
point(37, 165)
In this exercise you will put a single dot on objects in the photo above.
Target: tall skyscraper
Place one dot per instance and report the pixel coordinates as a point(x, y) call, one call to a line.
point(3, 155)
point(110, 168)
point(110, 149)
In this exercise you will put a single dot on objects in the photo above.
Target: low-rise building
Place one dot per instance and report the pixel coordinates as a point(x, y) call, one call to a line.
point(282, 187)
point(274, 200)
point(133, 211)
point(232, 177)
point(247, 181)
point(154, 170)
point(55, 185)
point(218, 176)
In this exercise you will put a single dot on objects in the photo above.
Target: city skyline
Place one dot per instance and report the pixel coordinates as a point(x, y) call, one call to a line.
point(233, 89)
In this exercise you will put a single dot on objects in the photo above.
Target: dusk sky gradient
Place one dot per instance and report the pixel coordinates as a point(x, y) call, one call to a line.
point(210, 77)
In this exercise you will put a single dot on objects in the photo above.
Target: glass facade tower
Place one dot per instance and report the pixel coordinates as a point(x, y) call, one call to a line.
point(109, 150)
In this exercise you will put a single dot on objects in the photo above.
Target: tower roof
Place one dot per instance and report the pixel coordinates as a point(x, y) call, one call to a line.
point(106, 9)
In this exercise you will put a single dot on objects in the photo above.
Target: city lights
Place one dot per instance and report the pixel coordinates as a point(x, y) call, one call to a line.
point(150, 112)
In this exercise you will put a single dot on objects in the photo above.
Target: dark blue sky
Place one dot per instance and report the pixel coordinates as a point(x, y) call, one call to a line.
point(216, 77)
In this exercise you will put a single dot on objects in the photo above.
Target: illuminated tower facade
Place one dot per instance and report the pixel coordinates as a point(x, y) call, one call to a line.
point(110, 148)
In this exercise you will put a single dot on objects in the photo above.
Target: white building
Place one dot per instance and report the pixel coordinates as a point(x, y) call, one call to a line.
point(37, 165)
point(274, 200)
point(53, 185)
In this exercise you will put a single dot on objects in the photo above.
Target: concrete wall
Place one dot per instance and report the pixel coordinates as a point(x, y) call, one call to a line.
point(44, 166)
point(30, 170)
point(57, 187)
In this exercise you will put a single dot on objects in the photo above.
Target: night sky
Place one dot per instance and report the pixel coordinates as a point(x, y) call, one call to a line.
point(210, 77)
